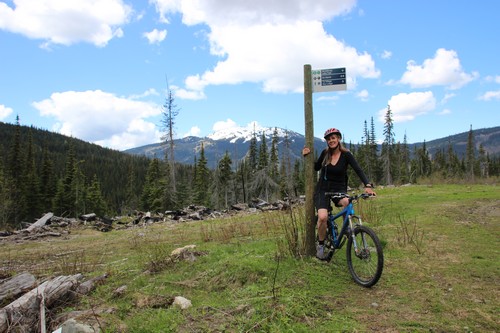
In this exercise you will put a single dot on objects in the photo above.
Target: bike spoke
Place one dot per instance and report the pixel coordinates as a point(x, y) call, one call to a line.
point(365, 263)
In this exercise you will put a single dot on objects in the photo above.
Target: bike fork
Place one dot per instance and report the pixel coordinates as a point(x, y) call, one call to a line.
point(353, 235)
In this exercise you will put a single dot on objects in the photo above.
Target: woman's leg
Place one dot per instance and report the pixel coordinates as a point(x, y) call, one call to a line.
point(322, 217)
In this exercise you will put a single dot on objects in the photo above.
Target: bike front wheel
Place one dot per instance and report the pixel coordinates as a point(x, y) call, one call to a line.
point(366, 259)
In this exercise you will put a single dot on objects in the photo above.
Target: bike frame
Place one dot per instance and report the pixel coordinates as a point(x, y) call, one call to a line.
point(347, 213)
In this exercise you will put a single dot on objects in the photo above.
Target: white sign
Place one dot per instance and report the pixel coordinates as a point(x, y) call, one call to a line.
point(332, 79)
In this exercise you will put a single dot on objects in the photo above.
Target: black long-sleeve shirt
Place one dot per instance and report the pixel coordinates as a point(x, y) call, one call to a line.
point(334, 178)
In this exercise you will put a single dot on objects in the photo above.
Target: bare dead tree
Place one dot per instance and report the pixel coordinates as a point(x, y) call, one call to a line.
point(169, 112)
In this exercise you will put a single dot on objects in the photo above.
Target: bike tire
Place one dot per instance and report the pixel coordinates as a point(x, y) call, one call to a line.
point(365, 268)
point(329, 246)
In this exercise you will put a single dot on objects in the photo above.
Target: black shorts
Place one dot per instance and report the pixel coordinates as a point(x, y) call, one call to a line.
point(321, 201)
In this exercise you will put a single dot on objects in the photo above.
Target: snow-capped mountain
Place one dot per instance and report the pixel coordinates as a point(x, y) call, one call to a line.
point(235, 141)
point(245, 134)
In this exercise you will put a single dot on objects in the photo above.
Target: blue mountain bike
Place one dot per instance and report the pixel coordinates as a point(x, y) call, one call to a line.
point(365, 258)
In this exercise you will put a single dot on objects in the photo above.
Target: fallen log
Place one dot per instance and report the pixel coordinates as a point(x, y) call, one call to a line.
point(40, 223)
point(15, 286)
point(89, 285)
point(88, 217)
point(25, 310)
point(42, 235)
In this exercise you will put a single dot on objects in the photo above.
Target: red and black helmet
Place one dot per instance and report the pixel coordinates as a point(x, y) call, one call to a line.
point(331, 131)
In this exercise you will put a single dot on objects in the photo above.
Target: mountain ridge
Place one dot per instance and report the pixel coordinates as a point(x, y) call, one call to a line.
point(237, 141)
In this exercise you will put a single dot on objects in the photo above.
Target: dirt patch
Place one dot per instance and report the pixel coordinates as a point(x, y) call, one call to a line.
point(482, 212)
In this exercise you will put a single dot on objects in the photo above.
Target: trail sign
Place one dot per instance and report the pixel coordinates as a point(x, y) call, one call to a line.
point(333, 79)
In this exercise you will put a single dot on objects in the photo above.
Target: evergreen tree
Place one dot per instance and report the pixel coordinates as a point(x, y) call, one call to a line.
point(16, 171)
point(363, 153)
point(131, 194)
point(95, 200)
point(298, 175)
point(252, 153)
point(375, 169)
point(439, 164)
point(222, 179)
point(48, 182)
point(453, 162)
point(263, 155)
point(284, 189)
point(397, 163)
point(66, 194)
point(79, 187)
point(226, 175)
point(16, 161)
point(169, 192)
point(273, 157)
point(405, 160)
point(422, 162)
point(469, 155)
point(388, 146)
point(152, 192)
point(483, 162)
point(184, 193)
point(286, 180)
point(31, 184)
point(202, 180)
point(195, 176)
point(7, 203)
point(262, 183)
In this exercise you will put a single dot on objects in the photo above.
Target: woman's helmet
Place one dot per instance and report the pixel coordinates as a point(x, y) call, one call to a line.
point(331, 131)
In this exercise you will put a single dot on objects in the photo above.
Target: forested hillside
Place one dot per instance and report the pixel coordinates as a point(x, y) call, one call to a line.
point(39, 167)
point(42, 171)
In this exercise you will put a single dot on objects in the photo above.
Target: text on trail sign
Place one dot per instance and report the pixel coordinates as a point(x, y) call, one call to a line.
point(333, 79)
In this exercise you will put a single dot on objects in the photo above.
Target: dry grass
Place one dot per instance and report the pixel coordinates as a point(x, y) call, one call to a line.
point(251, 280)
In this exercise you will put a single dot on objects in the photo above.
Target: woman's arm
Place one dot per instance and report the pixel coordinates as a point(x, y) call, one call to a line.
point(354, 164)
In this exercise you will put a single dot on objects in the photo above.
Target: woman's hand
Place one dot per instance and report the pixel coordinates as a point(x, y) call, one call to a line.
point(305, 151)
point(370, 191)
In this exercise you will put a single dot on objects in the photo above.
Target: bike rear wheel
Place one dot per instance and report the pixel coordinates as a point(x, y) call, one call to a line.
point(367, 264)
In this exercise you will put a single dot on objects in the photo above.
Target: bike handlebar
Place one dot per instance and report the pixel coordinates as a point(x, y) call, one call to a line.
point(337, 195)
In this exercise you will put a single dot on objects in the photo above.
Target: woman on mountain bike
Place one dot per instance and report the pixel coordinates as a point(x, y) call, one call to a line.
point(333, 163)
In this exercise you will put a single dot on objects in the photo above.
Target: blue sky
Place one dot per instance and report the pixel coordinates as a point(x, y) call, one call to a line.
point(98, 69)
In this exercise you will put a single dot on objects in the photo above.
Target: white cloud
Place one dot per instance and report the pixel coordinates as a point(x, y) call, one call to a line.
point(328, 98)
point(275, 54)
point(490, 95)
point(193, 131)
point(495, 79)
point(363, 95)
point(442, 70)
point(102, 118)
point(4, 111)
point(267, 42)
point(243, 12)
point(406, 107)
point(445, 112)
point(155, 36)
point(147, 93)
point(447, 97)
point(66, 22)
point(222, 125)
point(386, 54)
point(189, 94)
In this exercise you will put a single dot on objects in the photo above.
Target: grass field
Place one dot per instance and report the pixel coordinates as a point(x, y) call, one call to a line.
point(441, 273)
